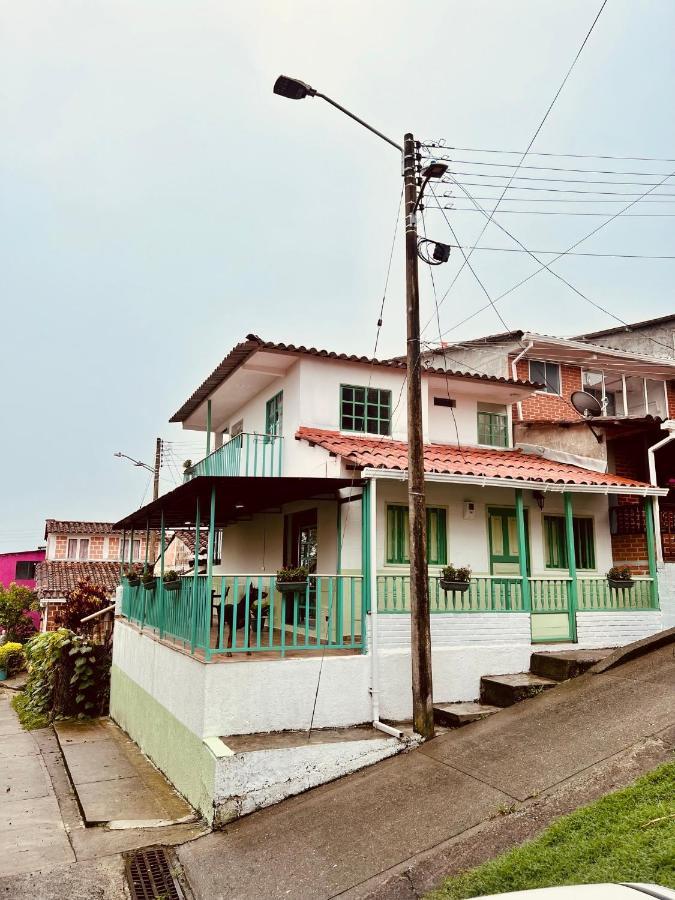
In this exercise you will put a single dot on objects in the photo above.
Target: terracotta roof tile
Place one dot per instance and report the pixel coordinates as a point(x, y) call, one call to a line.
point(239, 354)
point(188, 538)
point(61, 526)
point(53, 578)
point(383, 453)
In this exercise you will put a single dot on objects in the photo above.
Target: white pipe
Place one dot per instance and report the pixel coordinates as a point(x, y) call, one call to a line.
point(374, 662)
point(668, 426)
point(514, 365)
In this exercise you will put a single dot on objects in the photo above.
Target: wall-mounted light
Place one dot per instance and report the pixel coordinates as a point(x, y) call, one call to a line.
point(539, 496)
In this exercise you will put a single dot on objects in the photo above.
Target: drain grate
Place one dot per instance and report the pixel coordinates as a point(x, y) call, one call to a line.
point(150, 876)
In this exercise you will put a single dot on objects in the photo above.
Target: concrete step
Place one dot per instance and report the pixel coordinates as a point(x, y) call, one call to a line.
point(505, 690)
point(563, 664)
point(454, 715)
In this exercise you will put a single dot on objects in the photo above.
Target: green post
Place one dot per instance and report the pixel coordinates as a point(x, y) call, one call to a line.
point(209, 574)
point(195, 582)
point(131, 549)
point(340, 590)
point(573, 597)
point(162, 610)
point(366, 599)
point(123, 538)
point(208, 429)
point(147, 539)
point(651, 550)
point(522, 551)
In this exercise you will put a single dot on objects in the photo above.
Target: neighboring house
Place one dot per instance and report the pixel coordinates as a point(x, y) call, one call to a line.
point(81, 551)
point(19, 567)
point(309, 469)
point(637, 394)
point(653, 337)
point(179, 553)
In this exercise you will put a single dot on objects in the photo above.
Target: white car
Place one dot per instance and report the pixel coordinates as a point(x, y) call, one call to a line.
point(590, 892)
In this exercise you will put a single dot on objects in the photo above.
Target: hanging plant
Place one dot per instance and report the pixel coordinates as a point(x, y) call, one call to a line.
point(455, 579)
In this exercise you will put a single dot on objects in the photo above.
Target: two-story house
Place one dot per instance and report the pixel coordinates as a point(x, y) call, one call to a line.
point(306, 466)
point(81, 551)
point(635, 387)
point(19, 567)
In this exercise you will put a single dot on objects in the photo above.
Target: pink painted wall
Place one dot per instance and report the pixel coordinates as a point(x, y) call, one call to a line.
point(8, 563)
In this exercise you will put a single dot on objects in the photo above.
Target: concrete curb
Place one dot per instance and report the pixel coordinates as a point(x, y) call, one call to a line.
point(632, 651)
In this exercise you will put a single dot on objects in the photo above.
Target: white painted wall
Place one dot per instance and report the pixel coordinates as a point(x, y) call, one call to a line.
point(468, 538)
point(667, 594)
point(614, 629)
point(174, 679)
point(245, 782)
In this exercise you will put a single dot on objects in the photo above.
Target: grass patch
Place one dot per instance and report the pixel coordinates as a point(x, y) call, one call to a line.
point(29, 719)
point(626, 836)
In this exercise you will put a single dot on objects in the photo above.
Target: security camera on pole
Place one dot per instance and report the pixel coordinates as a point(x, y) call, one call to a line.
point(423, 714)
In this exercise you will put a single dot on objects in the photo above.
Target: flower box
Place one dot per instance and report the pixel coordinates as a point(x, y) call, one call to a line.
point(133, 580)
point(458, 586)
point(291, 587)
point(172, 585)
point(621, 583)
point(150, 584)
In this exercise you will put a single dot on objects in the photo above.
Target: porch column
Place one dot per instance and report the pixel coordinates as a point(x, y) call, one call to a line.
point(572, 596)
point(522, 551)
point(122, 540)
point(208, 427)
point(209, 575)
point(147, 539)
point(649, 504)
point(195, 583)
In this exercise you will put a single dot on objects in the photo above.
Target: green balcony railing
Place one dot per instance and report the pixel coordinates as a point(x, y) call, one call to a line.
point(259, 455)
point(504, 593)
point(328, 614)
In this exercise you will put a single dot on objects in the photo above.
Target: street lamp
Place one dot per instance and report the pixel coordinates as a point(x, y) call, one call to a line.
point(423, 715)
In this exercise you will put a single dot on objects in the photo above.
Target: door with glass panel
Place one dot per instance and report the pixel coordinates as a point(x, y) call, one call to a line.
point(505, 558)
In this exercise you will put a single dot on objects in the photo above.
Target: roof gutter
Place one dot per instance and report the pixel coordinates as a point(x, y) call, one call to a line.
point(545, 486)
point(514, 365)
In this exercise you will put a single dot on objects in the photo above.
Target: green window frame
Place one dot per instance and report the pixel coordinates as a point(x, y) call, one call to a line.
point(493, 425)
point(274, 414)
point(555, 542)
point(398, 543)
point(365, 410)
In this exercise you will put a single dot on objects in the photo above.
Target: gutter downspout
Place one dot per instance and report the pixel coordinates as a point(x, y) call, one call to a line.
point(514, 364)
point(372, 575)
point(668, 426)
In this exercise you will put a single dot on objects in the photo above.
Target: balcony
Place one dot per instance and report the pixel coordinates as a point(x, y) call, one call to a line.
point(258, 455)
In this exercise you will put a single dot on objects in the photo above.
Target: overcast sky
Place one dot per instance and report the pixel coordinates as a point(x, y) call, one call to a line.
point(158, 202)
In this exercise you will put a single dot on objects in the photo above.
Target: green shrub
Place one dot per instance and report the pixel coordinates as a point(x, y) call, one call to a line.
point(450, 573)
point(67, 676)
point(87, 598)
point(11, 657)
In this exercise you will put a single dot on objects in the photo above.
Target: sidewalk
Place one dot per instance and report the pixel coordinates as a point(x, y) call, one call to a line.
point(396, 829)
point(46, 851)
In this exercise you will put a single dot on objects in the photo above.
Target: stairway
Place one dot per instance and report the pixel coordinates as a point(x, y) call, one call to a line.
point(499, 691)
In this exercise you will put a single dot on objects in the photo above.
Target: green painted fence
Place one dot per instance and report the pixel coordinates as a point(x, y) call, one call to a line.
point(595, 595)
point(259, 455)
point(328, 614)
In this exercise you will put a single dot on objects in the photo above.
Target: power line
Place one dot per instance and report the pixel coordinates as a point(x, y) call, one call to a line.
point(450, 195)
point(386, 280)
point(443, 146)
point(552, 190)
point(549, 212)
point(571, 253)
point(532, 140)
point(478, 162)
point(554, 178)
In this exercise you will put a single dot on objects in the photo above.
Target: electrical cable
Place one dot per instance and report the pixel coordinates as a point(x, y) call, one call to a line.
point(443, 146)
point(571, 253)
point(535, 135)
point(550, 212)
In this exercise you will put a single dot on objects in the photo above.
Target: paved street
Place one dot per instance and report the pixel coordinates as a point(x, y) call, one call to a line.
point(418, 812)
point(41, 830)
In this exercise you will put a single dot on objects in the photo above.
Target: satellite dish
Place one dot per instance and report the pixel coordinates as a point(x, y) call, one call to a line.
point(586, 404)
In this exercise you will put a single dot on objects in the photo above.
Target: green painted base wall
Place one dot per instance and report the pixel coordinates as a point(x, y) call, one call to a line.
point(172, 747)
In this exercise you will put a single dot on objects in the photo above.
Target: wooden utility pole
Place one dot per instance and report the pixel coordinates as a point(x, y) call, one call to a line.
point(423, 713)
point(152, 551)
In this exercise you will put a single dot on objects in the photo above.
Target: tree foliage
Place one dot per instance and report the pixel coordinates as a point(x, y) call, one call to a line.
point(87, 598)
point(15, 602)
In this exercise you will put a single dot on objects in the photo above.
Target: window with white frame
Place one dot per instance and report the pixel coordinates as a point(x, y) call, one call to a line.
point(135, 550)
point(546, 373)
point(627, 395)
point(78, 548)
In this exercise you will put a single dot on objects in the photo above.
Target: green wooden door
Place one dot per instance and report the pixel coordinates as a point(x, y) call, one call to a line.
point(505, 557)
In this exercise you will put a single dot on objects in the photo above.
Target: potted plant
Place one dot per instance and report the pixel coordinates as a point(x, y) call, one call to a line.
point(132, 576)
point(187, 468)
point(11, 659)
point(171, 580)
point(620, 577)
point(292, 579)
point(453, 579)
point(148, 580)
